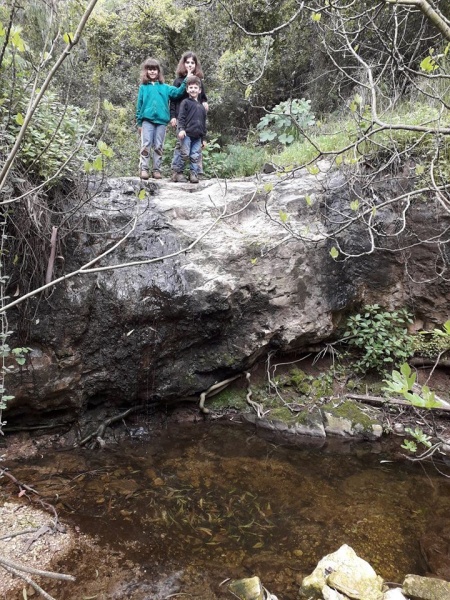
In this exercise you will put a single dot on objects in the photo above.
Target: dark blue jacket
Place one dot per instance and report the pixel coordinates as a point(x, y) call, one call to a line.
point(192, 118)
point(175, 104)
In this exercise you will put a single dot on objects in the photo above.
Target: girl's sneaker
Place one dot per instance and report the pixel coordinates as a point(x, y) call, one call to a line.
point(156, 175)
point(144, 175)
point(193, 177)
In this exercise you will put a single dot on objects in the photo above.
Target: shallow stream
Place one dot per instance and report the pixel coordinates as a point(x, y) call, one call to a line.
point(195, 504)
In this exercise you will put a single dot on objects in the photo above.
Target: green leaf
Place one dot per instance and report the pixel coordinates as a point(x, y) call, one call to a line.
point(142, 194)
point(284, 217)
point(97, 164)
point(268, 187)
point(67, 37)
point(308, 200)
point(316, 17)
point(248, 92)
point(429, 64)
point(19, 119)
point(354, 205)
point(410, 446)
point(334, 253)
point(17, 41)
point(314, 170)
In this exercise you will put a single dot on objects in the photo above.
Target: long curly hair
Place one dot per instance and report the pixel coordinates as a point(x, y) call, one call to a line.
point(181, 69)
point(151, 62)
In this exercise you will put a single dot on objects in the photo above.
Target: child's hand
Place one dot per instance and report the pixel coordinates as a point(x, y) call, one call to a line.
point(205, 104)
point(182, 134)
point(204, 144)
point(173, 122)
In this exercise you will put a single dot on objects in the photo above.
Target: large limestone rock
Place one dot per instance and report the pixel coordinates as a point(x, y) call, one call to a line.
point(347, 574)
point(167, 330)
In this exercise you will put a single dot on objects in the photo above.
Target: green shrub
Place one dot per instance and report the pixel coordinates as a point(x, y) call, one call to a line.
point(381, 338)
point(55, 133)
point(284, 123)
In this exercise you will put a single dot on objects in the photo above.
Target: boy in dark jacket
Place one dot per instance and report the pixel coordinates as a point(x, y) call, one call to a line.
point(191, 126)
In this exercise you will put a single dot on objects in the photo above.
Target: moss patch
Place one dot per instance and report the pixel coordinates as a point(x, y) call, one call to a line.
point(351, 411)
point(228, 398)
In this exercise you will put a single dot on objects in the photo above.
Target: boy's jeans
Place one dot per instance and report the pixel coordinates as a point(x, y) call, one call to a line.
point(152, 136)
point(190, 150)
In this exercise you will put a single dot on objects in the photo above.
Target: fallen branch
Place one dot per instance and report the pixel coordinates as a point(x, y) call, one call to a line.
point(99, 432)
point(378, 401)
point(23, 487)
point(216, 388)
point(21, 571)
point(20, 485)
point(50, 574)
point(17, 533)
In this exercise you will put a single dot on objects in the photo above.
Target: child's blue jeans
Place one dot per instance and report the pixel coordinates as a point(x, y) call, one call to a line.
point(152, 137)
point(190, 150)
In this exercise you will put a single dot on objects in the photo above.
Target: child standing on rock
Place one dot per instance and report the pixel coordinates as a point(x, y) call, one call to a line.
point(152, 114)
point(189, 65)
point(191, 127)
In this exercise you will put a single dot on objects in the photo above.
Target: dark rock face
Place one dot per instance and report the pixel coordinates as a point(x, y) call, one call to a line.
point(169, 329)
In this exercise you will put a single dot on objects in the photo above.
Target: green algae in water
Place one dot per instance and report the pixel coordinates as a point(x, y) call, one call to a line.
point(226, 503)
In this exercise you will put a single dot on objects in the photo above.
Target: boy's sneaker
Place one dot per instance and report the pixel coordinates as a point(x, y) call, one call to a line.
point(156, 175)
point(193, 177)
point(144, 175)
point(178, 177)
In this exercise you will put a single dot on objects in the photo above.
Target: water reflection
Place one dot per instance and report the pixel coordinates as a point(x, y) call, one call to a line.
point(226, 503)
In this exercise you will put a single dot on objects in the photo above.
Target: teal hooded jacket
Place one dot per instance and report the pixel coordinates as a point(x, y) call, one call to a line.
point(153, 101)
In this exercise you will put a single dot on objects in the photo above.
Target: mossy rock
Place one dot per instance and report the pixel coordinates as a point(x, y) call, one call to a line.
point(347, 418)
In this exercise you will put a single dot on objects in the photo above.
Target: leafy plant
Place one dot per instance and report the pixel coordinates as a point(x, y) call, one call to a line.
point(285, 122)
point(381, 336)
point(402, 382)
point(418, 436)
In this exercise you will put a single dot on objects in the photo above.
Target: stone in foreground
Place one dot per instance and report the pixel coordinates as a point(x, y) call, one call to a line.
point(247, 589)
point(426, 588)
point(346, 573)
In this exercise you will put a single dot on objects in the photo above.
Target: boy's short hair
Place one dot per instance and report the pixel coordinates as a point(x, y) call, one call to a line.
point(193, 79)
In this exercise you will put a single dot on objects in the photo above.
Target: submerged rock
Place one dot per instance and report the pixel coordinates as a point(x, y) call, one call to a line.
point(247, 589)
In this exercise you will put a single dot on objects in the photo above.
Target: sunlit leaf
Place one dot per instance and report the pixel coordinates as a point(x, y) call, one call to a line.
point(334, 252)
point(67, 37)
point(284, 217)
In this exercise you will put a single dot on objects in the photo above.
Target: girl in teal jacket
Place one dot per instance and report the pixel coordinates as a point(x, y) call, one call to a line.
point(152, 114)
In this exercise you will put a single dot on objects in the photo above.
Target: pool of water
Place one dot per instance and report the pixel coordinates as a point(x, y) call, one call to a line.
point(222, 502)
